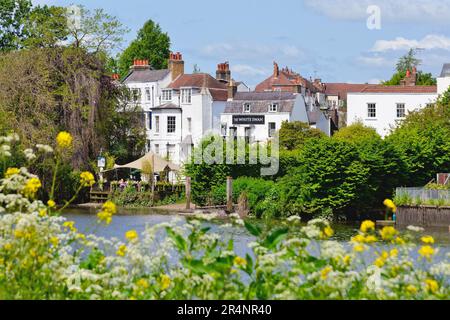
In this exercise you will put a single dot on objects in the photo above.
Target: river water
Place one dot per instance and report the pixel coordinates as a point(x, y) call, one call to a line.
point(138, 219)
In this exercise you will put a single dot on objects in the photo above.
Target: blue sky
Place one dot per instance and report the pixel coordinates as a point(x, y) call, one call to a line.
point(324, 38)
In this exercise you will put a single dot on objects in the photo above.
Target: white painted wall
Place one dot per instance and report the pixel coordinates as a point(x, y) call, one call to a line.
point(443, 84)
point(386, 108)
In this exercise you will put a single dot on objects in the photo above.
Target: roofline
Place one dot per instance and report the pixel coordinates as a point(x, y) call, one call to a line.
point(392, 93)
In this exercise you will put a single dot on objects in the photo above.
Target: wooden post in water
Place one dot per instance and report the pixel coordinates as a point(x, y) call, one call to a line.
point(188, 193)
point(229, 194)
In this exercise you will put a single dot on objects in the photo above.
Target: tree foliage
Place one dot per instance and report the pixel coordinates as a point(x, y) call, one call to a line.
point(12, 15)
point(409, 62)
point(423, 142)
point(95, 31)
point(151, 43)
point(294, 134)
point(44, 91)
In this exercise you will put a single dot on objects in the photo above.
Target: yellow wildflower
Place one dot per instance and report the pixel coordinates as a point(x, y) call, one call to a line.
point(11, 172)
point(393, 253)
point(51, 203)
point(432, 285)
point(327, 232)
point(346, 260)
point(370, 239)
point(390, 205)
point(110, 207)
point(379, 262)
point(428, 240)
point(399, 240)
point(359, 248)
point(105, 217)
point(131, 235)
point(142, 283)
point(31, 187)
point(43, 213)
point(80, 236)
point(367, 226)
point(70, 225)
point(325, 271)
point(87, 179)
point(7, 246)
point(122, 250)
point(426, 252)
point(359, 238)
point(165, 281)
point(411, 289)
point(54, 241)
point(19, 234)
point(238, 261)
point(388, 233)
point(64, 140)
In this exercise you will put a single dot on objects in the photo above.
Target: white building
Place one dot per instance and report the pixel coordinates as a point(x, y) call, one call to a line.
point(257, 116)
point(146, 85)
point(384, 107)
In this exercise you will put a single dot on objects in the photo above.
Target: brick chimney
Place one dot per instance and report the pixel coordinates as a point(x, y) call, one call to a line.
point(232, 89)
point(176, 65)
point(276, 70)
point(140, 64)
point(115, 76)
point(223, 73)
point(410, 78)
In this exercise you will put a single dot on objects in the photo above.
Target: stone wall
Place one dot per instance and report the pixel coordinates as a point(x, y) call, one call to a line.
point(426, 216)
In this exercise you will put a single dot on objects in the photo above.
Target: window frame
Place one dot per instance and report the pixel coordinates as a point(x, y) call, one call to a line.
point(244, 107)
point(186, 98)
point(166, 95)
point(171, 127)
point(157, 125)
point(272, 131)
point(148, 94)
point(273, 105)
point(371, 114)
point(397, 105)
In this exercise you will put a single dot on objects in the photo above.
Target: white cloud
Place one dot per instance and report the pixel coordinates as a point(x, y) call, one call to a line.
point(429, 42)
point(391, 10)
point(376, 61)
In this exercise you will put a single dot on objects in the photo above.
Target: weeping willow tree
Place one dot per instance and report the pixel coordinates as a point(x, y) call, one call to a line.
point(43, 91)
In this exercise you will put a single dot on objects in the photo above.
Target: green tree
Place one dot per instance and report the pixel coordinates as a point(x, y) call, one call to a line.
point(409, 62)
point(422, 141)
point(386, 169)
point(293, 135)
point(96, 31)
point(151, 43)
point(12, 15)
point(45, 27)
point(331, 176)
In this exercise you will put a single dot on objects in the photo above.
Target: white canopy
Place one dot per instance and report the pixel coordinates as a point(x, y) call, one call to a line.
point(158, 164)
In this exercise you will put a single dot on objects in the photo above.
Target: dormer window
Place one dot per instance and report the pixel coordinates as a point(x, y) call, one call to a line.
point(247, 107)
point(167, 95)
point(186, 96)
point(273, 107)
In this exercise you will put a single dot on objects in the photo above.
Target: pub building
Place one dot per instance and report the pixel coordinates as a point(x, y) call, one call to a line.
point(257, 116)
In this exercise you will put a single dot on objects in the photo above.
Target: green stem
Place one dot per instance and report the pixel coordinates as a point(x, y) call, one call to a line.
point(72, 199)
point(52, 192)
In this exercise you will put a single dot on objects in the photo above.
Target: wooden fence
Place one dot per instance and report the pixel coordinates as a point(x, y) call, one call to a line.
point(426, 216)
